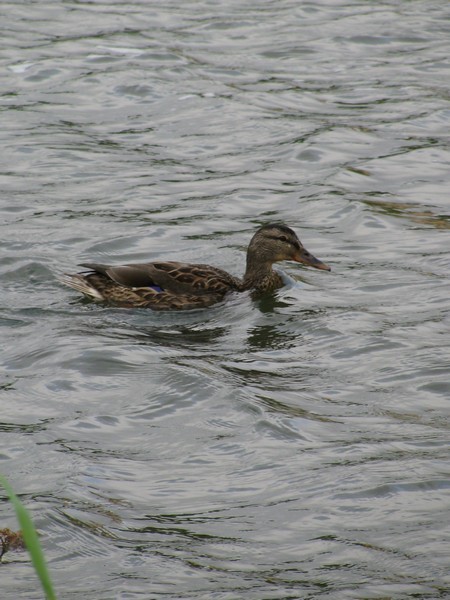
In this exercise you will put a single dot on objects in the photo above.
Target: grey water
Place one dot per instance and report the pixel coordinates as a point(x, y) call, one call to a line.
point(292, 446)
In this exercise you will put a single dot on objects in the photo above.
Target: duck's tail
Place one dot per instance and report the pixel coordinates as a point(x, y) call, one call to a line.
point(78, 282)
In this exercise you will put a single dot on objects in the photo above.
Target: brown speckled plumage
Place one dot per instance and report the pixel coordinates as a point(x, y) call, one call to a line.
point(183, 286)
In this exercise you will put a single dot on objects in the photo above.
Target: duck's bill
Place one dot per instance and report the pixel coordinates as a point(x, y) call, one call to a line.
point(307, 258)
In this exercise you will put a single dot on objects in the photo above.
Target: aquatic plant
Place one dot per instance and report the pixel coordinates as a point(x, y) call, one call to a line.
point(10, 540)
point(31, 540)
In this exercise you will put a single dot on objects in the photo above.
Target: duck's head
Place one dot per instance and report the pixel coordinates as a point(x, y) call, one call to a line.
point(276, 242)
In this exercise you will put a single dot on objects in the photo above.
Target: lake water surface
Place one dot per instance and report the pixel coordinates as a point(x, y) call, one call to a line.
point(291, 447)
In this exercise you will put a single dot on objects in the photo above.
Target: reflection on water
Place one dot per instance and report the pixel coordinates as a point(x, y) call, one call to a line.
point(410, 211)
point(293, 445)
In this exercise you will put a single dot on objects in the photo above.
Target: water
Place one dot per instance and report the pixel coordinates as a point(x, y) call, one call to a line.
point(291, 447)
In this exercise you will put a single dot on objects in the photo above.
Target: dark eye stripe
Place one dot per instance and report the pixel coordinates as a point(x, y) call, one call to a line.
point(282, 238)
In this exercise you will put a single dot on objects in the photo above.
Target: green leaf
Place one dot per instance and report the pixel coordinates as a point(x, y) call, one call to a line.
point(31, 540)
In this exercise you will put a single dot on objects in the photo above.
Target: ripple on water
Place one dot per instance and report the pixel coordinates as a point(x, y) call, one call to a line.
point(289, 446)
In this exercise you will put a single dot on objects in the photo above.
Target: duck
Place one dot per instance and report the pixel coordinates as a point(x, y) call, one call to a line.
point(183, 286)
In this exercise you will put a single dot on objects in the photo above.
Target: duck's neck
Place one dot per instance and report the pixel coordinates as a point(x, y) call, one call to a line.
point(260, 276)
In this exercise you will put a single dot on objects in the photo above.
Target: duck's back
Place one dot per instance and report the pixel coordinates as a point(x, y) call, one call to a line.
point(171, 277)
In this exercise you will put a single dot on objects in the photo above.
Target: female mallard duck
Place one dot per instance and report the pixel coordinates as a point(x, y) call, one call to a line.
point(183, 286)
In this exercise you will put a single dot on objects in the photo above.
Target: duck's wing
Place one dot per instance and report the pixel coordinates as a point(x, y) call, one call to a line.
point(127, 275)
point(171, 277)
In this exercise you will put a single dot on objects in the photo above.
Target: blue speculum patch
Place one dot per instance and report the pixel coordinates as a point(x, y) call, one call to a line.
point(156, 288)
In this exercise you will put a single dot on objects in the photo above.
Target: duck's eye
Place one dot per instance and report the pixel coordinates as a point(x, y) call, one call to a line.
point(283, 238)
